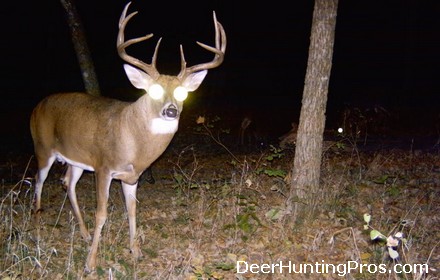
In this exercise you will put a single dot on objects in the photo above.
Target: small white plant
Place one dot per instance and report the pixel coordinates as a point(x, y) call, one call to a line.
point(392, 241)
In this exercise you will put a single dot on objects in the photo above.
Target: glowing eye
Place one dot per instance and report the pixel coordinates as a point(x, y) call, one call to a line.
point(180, 93)
point(155, 91)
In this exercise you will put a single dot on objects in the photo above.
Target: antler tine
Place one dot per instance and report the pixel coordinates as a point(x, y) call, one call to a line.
point(121, 45)
point(219, 51)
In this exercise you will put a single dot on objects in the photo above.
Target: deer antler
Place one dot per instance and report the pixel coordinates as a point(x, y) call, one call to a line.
point(219, 50)
point(121, 45)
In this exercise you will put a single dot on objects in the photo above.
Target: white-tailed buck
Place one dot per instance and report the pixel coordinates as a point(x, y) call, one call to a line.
point(116, 140)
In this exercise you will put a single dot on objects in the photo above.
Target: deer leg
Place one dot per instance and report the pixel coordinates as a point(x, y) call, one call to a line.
point(103, 180)
point(43, 170)
point(72, 176)
point(130, 204)
point(148, 173)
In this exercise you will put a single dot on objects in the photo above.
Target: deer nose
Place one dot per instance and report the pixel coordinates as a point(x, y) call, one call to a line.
point(171, 111)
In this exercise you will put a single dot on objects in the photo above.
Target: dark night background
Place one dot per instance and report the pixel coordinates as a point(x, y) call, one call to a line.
point(386, 53)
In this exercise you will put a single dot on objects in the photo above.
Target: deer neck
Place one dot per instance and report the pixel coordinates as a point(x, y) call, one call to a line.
point(148, 131)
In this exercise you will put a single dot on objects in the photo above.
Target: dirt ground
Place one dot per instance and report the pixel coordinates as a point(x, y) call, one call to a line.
point(219, 214)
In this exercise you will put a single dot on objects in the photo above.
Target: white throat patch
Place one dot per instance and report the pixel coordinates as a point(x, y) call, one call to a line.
point(161, 126)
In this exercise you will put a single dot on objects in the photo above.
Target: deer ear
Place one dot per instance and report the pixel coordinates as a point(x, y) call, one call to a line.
point(193, 81)
point(138, 78)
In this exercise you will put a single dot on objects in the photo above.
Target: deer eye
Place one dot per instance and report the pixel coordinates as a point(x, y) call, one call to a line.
point(180, 93)
point(156, 91)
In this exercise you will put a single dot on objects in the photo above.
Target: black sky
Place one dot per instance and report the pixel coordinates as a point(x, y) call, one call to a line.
point(386, 52)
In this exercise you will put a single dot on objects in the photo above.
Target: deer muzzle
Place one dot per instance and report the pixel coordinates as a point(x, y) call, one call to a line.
point(170, 112)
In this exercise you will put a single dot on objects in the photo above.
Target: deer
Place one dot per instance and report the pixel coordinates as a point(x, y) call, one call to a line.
point(289, 139)
point(244, 125)
point(250, 135)
point(114, 139)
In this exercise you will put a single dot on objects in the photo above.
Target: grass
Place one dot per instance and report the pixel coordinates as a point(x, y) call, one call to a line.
point(208, 211)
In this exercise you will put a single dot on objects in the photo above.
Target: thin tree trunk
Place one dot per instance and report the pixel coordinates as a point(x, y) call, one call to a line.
point(305, 187)
point(81, 48)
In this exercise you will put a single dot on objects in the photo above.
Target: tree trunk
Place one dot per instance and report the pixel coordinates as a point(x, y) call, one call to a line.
point(81, 48)
point(305, 187)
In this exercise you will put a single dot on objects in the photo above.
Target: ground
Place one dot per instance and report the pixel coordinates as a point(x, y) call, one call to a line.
point(213, 207)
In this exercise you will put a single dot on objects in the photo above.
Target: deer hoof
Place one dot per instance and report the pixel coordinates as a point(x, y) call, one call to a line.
point(136, 252)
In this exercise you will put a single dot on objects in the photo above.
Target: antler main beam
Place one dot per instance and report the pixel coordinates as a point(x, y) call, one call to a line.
point(219, 51)
point(121, 45)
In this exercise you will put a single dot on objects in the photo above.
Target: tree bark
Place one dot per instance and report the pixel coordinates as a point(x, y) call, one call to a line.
point(305, 180)
point(81, 48)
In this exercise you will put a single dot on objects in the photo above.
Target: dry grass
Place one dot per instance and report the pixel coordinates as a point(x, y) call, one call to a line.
point(205, 213)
